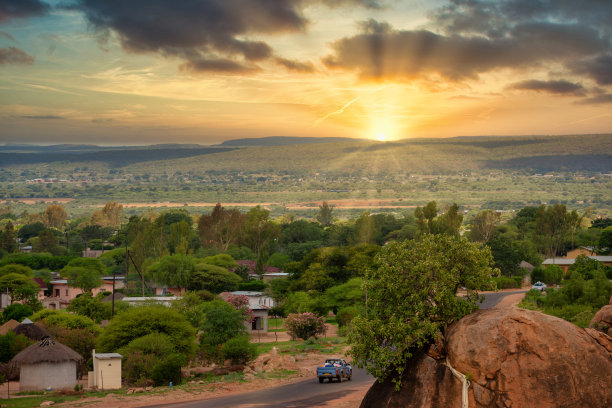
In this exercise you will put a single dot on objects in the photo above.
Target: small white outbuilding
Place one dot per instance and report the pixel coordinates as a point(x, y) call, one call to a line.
point(107, 371)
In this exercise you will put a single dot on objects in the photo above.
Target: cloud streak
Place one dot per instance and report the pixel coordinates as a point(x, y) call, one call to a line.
point(15, 9)
point(554, 87)
point(14, 56)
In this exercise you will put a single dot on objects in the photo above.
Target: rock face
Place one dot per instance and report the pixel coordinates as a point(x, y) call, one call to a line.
point(602, 320)
point(514, 358)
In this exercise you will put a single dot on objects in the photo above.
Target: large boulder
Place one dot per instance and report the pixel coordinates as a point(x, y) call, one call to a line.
point(602, 320)
point(513, 358)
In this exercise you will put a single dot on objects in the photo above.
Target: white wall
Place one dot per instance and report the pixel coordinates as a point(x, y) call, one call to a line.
point(47, 375)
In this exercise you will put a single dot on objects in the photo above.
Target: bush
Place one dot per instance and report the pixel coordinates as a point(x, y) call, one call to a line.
point(11, 344)
point(345, 316)
point(140, 321)
point(169, 370)
point(239, 350)
point(551, 275)
point(159, 344)
point(137, 368)
point(254, 285)
point(64, 319)
point(221, 323)
point(504, 282)
point(92, 307)
point(304, 325)
point(16, 311)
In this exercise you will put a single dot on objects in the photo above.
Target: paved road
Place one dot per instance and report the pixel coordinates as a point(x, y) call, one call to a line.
point(491, 299)
point(304, 394)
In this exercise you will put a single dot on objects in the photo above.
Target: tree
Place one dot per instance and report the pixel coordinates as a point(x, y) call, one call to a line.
point(221, 323)
point(304, 325)
point(325, 214)
point(483, 225)
point(85, 279)
point(46, 242)
point(258, 233)
point(173, 270)
point(221, 228)
point(22, 289)
point(140, 321)
point(108, 216)
point(213, 278)
point(92, 307)
point(8, 242)
point(54, 216)
point(17, 311)
point(16, 268)
point(30, 230)
point(366, 230)
point(412, 295)
point(552, 227)
point(605, 241)
point(449, 222)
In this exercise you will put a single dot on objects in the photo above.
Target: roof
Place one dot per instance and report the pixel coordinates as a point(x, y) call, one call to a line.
point(108, 356)
point(526, 265)
point(109, 298)
point(46, 351)
point(41, 283)
point(30, 330)
point(8, 326)
point(565, 261)
point(251, 264)
point(246, 293)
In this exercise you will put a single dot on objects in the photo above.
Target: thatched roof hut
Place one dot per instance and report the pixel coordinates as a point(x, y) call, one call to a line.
point(46, 351)
point(47, 365)
point(30, 330)
point(8, 326)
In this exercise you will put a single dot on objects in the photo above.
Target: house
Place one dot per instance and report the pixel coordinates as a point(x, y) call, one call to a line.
point(576, 252)
point(62, 294)
point(259, 304)
point(270, 272)
point(47, 365)
point(42, 287)
point(165, 291)
point(106, 374)
point(565, 263)
point(92, 253)
point(148, 300)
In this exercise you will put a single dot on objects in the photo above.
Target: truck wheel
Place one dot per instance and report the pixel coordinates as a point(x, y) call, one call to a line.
point(350, 377)
point(321, 380)
point(340, 378)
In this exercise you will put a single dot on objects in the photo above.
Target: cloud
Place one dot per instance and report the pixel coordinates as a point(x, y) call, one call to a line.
point(599, 68)
point(599, 99)
point(208, 34)
point(293, 65)
point(7, 36)
point(226, 66)
point(555, 87)
point(379, 50)
point(42, 117)
point(13, 9)
point(12, 55)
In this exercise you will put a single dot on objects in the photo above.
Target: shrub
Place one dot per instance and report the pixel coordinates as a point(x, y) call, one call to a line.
point(239, 350)
point(304, 325)
point(221, 323)
point(65, 319)
point(169, 369)
point(254, 285)
point(159, 344)
point(551, 275)
point(140, 321)
point(137, 368)
point(345, 316)
point(92, 307)
point(16, 311)
point(504, 282)
point(11, 344)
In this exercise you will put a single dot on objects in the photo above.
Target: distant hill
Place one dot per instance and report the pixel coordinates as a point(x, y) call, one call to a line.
point(114, 156)
point(286, 141)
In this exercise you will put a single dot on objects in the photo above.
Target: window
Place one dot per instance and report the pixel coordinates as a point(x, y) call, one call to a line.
point(66, 292)
point(57, 292)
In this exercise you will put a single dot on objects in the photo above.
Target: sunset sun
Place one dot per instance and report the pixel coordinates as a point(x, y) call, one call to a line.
point(381, 137)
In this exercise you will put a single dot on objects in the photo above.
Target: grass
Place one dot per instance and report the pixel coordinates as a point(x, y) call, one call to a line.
point(276, 325)
point(331, 345)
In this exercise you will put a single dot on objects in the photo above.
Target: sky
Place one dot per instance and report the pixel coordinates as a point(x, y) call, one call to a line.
point(115, 72)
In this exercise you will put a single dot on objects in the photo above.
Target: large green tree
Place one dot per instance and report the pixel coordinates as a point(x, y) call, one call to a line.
point(412, 295)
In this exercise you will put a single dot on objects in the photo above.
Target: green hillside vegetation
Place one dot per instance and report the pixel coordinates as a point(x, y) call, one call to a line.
point(488, 172)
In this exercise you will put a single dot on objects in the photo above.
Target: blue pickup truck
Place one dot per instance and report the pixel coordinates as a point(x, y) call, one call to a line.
point(335, 368)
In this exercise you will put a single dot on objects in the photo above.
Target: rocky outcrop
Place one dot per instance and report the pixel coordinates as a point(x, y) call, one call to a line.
point(602, 320)
point(513, 358)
